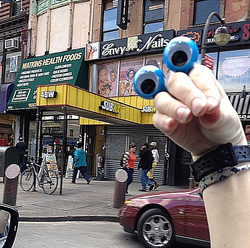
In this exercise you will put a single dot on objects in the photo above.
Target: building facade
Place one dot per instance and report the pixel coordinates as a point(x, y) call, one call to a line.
point(13, 47)
point(123, 40)
point(74, 79)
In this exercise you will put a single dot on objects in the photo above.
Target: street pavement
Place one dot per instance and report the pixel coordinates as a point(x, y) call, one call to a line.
point(80, 201)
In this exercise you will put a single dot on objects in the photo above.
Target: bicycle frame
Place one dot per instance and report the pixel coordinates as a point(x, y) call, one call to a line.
point(44, 178)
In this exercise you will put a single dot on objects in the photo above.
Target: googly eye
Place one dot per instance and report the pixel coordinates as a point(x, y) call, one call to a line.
point(180, 54)
point(148, 81)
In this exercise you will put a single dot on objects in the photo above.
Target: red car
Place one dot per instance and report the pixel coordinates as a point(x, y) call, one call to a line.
point(162, 218)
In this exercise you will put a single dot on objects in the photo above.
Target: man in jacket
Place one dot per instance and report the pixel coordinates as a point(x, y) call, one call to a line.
point(79, 163)
point(145, 164)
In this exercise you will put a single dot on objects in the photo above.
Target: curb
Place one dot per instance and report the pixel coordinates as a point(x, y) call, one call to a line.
point(70, 218)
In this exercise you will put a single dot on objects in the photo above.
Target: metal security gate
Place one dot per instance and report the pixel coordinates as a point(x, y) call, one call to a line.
point(117, 141)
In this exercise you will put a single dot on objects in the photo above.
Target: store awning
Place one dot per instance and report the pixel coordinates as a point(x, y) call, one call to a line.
point(241, 103)
point(5, 91)
point(63, 67)
point(86, 104)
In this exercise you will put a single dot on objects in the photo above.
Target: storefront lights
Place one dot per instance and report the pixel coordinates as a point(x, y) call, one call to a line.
point(221, 36)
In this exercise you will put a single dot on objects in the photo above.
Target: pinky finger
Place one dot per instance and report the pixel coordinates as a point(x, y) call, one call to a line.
point(165, 123)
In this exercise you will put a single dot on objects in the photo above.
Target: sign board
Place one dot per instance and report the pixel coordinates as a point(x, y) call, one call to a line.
point(69, 170)
point(51, 159)
point(209, 62)
point(111, 107)
point(122, 14)
point(136, 45)
point(65, 67)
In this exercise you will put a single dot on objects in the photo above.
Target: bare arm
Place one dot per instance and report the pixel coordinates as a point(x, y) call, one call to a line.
point(197, 115)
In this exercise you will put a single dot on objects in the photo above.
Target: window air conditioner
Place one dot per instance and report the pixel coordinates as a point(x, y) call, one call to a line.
point(12, 44)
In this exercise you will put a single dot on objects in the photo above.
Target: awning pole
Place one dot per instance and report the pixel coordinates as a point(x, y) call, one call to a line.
point(37, 133)
point(64, 146)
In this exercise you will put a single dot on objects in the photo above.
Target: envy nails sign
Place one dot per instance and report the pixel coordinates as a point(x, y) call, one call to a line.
point(147, 43)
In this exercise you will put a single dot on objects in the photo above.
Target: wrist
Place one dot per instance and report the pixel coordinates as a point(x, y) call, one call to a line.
point(241, 142)
point(223, 156)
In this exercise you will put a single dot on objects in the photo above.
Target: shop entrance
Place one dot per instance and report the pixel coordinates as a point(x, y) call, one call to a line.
point(52, 136)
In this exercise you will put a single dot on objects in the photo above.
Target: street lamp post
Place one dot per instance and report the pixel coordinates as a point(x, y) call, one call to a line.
point(221, 36)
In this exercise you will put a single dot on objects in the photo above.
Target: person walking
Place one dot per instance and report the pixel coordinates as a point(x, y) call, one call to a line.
point(145, 164)
point(128, 160)
point(154, 164)
point(79, 163)
point(22, 150)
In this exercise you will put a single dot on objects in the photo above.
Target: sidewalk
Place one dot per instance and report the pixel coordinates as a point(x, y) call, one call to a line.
point(78, 201)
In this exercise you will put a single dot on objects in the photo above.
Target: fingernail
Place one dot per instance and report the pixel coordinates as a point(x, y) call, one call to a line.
point(212, 103)
point(197, 105)
point(182, 114)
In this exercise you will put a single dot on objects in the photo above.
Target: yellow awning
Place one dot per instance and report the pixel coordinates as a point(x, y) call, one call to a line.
point(80, 102)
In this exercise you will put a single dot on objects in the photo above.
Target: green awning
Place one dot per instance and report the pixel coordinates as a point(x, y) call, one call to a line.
point(64, 67)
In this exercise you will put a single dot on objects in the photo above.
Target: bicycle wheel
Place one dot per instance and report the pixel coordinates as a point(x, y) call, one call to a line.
point(27, 179)
point(50, 182)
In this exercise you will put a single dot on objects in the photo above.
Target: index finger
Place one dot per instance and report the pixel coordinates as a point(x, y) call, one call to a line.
point(198, 90)
point(205, 80)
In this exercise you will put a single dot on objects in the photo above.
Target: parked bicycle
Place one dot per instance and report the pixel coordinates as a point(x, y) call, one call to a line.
point(44, 178)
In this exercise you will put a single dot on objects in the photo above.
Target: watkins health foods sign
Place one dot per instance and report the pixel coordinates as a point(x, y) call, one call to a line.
point(65, 67)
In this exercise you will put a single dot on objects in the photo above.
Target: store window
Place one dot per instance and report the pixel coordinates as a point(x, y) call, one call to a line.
point(107, 79)
point(234, 70)
point(110, 30)
point(158, 61)
point(128, 68)
point(213, 67)
point(153, 15)
point(203, 8)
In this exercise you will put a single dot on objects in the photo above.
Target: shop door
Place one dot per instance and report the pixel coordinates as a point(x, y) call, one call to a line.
point(89, 146)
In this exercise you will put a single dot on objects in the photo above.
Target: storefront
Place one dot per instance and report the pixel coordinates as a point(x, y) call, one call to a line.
point(112, 67)
point(56, 109)
point(55, 68)
point(100, 113)
point(231, 65)
point(113, 64)
point(7, 122)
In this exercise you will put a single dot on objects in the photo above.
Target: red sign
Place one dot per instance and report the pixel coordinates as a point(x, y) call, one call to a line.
point(209, 62)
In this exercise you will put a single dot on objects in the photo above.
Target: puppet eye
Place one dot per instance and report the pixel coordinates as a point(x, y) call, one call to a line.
point(180, 54)
point(148, 81)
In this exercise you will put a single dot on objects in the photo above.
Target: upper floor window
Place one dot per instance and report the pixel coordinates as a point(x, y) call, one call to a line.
point(203, 8)
point(16, 7)
point(153, 15)
point(110, 30)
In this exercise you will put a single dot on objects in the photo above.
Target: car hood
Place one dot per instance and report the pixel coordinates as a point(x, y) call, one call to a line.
point(164, 195)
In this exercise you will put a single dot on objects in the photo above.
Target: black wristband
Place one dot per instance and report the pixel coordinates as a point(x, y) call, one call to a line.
point(223, 156)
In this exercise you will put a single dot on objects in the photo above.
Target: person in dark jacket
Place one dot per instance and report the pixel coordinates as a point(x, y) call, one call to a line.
point(22, 150)
point(79, 163)
point(146, 165)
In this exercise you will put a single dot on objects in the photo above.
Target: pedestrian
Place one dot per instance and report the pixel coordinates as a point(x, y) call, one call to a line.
point(22, 151)
point(197, 115)
point(79, 163)
point(128, 160)
point(146, 164)
point(154, 164)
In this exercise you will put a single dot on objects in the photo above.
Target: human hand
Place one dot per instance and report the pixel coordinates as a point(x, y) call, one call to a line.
point(196, 113)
